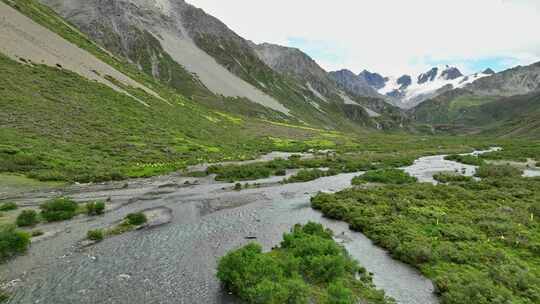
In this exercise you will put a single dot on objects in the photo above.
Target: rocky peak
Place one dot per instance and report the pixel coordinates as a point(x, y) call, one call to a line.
point(488, 71)
point(451, 73)
point(404, 81)
point(373, 79)
point(428, 76)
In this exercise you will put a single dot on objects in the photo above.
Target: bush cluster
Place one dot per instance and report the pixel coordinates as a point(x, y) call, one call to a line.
point(308, 267)
point(95, 235)
point(12, 242)
point(385, 176)
point(8, 206)
point(59, 209)
point(466, 159)
point(306, 175)
point(27, 218)
point(136, 219)
point(95, 208)
point(475, 239)
point(498, 171)
point(450, 177)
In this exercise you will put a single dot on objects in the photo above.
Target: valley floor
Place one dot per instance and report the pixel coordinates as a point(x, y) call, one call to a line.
point(177, 262)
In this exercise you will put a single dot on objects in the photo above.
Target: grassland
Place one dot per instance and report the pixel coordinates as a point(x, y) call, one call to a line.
point(478, 240)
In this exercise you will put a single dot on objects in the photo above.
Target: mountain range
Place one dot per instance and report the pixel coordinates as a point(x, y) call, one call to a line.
point(198, 56)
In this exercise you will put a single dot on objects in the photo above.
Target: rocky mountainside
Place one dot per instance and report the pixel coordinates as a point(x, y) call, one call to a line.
point(202, 58)
point(413, 90)
point(353, 84)
point(405, 91)
point(295, 63)
point(501, 101)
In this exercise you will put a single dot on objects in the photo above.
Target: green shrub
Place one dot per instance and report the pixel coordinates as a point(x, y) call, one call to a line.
point(95, 235)
point(449, 177)
point(8, 206)
point(306, 175)
point(237, 186)
point(466, 159)
point(58, 209)
point(474, 239)
point(136, 219)
point(27, 218)
point(308, 262)
point(385, 176)
point(498, 171)
point(232, 173)
point(12, 242)
point(337, 293)
point(95, 208)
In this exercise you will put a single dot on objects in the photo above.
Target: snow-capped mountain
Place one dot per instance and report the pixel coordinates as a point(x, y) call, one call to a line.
point(410, 91)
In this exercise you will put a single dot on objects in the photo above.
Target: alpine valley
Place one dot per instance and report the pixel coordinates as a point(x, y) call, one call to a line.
point(150, 154)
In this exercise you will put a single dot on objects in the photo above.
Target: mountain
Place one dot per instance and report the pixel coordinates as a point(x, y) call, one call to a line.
point(200, 57)
point(294, 63)
point(505, 103)
point(353, 84)
point(375, 80)
point(133, 88)
point(413, 90)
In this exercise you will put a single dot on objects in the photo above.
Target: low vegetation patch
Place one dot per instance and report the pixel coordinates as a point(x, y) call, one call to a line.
point(8, 206)
point(451, 177)
point(59, 209)
point(136, 219)
point(130, 222)
point(308, 267)
point(498, 171)
point(27, 218)
point(232, 173)
point(95, 235)
point(479, 241)
point(466, 159)
point(12, 242)
point(95, 208)
point(307, 175)
point(385, 176)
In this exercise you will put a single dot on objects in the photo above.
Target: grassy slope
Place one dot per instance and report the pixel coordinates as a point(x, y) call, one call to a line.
point(462, 111)
point(64, 127)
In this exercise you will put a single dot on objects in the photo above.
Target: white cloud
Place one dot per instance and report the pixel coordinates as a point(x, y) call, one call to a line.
point(388, 36)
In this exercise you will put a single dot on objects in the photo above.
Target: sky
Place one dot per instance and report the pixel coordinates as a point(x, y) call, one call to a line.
point(392, 37)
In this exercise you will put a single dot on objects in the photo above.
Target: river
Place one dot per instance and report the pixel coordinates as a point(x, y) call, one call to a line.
point(176, 263)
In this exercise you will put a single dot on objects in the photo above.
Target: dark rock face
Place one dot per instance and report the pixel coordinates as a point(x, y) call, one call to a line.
point(488, 71)
point(404, 81)
point(428, 76)
point(451, 73)
point(373, 79)
point(353, 84)
point(295, 63)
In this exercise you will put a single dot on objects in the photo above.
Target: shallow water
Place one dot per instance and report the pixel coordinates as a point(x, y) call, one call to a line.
point(176, 263)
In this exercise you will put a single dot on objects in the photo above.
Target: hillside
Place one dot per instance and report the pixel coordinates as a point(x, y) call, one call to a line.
point(503, 104)
point(72, 111)
point(201, 58)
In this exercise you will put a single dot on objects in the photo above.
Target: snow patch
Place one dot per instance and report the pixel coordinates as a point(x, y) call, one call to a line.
point(415, 91)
